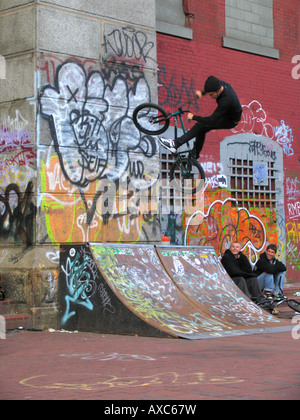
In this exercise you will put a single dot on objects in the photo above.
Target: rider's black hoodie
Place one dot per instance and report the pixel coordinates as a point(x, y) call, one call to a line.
point(229, 108)
point(264, 265)
point(237, 267)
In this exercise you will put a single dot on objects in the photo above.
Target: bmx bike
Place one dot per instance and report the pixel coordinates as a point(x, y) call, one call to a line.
point(186, 173)
point(272, 305)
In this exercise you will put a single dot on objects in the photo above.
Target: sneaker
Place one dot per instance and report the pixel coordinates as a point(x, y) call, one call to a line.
point(279, 295)
point(168, 144)
point(268, 294)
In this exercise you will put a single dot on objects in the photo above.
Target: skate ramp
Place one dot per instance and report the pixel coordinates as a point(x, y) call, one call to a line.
point(139, 280)
point(86, 301)
point(181, 291)
point(200, 276)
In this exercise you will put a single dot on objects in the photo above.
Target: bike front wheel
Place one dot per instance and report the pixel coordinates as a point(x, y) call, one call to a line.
point(187, 175)
point(151, 118)
point(293, 304)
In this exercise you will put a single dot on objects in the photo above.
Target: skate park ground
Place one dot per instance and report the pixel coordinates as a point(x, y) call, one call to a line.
point(60, 365)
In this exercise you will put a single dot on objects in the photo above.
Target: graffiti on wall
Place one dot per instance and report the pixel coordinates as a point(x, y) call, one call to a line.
point(97, 148)
point(128, 44)
point(256, 120)
point(292, 185)
point(18, 213)
point(81, 284)
point(173, 94)
point(223, 222)
point(17, 149)
point(17, 162)
point(93, 133)
point(220, 220)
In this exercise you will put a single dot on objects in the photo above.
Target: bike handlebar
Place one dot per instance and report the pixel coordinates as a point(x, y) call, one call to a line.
point(183, 111)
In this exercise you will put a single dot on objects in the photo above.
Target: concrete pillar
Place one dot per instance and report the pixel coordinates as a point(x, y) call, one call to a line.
point(71, 73)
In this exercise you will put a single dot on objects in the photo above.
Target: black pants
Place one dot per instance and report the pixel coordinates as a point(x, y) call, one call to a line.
point(241, 284)
point(249, 286)
point(253, 287)
point(199, 130)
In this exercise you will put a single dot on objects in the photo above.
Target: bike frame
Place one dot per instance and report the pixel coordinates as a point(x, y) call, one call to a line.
point(183, 163)
point(179, 155)
point(175, 115)
point(273, 304)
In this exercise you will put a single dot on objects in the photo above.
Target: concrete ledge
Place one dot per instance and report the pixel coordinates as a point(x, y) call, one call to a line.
point(248, 47)
point(141, 12)
point(175, 30)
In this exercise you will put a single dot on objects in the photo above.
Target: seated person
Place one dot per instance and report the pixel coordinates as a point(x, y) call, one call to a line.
point(270, 272)
point(239, 269)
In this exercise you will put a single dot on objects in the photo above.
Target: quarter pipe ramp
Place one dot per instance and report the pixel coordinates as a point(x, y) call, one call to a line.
point(155, 291)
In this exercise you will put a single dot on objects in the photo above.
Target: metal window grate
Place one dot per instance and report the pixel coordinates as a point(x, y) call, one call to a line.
point(253, 184)
point(171, 199)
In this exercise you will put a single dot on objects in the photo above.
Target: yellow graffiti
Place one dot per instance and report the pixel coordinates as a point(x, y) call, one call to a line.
point(66, 210)
point(293, 232)
point(111, 381)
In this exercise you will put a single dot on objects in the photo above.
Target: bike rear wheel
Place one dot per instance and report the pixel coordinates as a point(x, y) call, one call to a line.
point(151, 118)
point(187, 175)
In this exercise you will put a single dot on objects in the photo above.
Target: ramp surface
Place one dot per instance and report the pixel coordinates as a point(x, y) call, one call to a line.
point(198, 273)
point(183, 292)
point(87, 303)
point(137, 277)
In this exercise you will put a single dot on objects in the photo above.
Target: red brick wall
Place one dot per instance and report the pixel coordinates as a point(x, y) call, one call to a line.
point(185, 64)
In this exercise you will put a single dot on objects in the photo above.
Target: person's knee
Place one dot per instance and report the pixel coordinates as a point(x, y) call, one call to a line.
point(238, 279)
point(265, 276)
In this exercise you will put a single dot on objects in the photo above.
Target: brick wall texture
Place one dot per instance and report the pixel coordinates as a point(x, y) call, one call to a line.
point(184, 66)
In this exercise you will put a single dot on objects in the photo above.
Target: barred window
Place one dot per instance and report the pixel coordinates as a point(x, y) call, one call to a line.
point(253, 184)
point(253, 166)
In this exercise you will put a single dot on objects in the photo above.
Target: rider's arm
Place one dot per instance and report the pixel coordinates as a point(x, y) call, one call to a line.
point(223, 109)
point(199, 94)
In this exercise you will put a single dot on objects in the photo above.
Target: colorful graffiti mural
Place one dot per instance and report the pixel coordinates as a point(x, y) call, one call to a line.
point(222, 219)
point(95, 167)
point(17, 163)
point(95, 141)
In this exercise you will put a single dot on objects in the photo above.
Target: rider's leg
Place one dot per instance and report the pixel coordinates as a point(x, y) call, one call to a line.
point(279, 281)
point(254, 288)
point(199, 130)
point(241, 284)
point(266, 283)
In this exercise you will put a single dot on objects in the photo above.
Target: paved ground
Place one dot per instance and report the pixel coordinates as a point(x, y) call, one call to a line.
point(84, 366)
